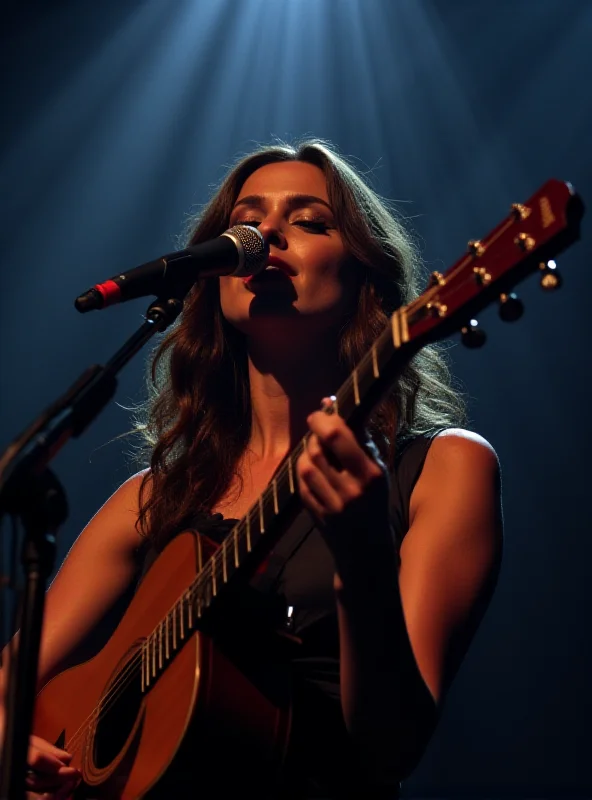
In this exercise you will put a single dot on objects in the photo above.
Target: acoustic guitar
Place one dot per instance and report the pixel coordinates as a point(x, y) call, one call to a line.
point(161, 700)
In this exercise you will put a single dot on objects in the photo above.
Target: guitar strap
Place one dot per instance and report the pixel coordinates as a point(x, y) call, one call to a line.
point(271, 569)
point(299, 530)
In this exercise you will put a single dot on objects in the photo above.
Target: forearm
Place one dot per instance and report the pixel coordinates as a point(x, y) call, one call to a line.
point(387, 706)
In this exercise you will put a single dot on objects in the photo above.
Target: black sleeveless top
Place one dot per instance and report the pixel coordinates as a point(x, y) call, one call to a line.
point(296, 592)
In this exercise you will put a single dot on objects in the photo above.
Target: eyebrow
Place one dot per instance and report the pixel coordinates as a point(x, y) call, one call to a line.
point(292, 201)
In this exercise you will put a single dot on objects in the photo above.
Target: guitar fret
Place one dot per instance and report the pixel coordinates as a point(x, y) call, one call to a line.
point(153, 640)
point(224, 570)
point(235, 537)
point(276, 508)
point(249, 531)
point(166, 637)
point(189, 609)
point(356, 387)
point(290, 474)
point(143, 667)
point(375, 371)
point(396, 330)
point(182, 619)
point(261, 519)
point(174, 627)
point(404, 325)
point(160, 645)
point(214, 587)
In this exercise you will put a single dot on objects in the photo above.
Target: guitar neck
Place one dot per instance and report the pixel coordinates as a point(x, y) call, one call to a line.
point(251, 539)
point(521, 244)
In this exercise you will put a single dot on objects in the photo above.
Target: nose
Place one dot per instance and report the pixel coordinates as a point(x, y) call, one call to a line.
point(272, 231)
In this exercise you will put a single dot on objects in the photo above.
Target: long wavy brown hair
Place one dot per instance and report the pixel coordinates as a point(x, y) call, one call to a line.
point(197, 419)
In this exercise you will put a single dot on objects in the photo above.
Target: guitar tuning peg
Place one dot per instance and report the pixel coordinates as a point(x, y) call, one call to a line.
point(472, 336)
point(550, 278)
point(511, 307)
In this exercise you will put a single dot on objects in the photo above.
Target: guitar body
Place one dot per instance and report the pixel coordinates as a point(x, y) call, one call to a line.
point(137, 730)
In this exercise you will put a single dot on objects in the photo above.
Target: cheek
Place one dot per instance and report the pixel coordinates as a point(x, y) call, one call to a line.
point(229, 293)
point(228, 304)
point(332, 288)
point(346, 281)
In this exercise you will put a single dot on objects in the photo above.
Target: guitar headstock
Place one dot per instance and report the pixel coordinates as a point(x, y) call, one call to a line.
point(525, 242)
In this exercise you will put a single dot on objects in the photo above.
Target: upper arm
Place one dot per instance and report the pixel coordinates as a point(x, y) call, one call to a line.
point(96, 573)
point(451, 554)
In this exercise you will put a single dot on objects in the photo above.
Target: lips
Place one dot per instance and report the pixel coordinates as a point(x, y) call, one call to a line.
point(274, 261)
point(276, 268)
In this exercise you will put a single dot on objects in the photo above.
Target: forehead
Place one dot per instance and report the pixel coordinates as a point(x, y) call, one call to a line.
point(286, 177)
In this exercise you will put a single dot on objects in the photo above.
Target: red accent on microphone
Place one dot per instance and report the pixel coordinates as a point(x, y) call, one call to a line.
point(110, 292)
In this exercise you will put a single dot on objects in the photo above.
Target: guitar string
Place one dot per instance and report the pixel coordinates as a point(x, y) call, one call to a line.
point(206, 574)
point(199, 583)
point(202, 580)
point(131, 668)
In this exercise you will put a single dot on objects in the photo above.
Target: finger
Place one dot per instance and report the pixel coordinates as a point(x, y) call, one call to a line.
point(312, 502)
point(323, 460)
point(316, 481)
point(328, 405)
point(334, 434)
point(44, 750)
point(45, 781)
point(42, 761)
point(330, 498)
point(43, 744)
point(345, 485)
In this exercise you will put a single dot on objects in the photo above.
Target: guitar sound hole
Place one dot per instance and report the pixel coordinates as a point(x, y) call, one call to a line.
point(119, 710)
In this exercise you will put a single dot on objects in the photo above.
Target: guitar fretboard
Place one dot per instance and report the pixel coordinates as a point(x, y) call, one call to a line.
point(256, 533)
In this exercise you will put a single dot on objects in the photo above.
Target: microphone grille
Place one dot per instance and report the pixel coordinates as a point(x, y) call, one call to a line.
point(252, 247)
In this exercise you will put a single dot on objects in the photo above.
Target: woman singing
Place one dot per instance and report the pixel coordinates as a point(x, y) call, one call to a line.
point(384, 591)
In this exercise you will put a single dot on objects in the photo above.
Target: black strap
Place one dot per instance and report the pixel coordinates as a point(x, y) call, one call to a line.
point(283, 551)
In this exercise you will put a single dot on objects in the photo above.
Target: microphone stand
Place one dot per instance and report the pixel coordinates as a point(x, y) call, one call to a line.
point(33, 493)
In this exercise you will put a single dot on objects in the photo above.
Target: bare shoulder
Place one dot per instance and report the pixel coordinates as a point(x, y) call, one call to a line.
point(109, 541)
point(461, 468)
point(126, 498)
point(462, 444)
point(457, 454)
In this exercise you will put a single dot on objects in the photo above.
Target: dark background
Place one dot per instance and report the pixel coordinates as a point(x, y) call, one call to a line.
point(117, 118)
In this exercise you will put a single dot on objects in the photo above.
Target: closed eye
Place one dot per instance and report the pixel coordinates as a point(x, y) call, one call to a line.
point(314, 226)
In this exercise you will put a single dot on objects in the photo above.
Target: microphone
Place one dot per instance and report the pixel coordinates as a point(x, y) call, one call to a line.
point(240, 251)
